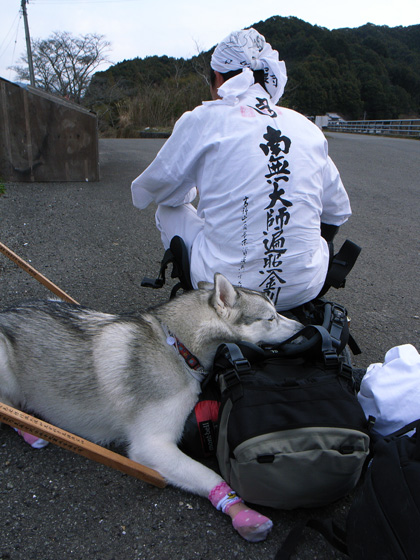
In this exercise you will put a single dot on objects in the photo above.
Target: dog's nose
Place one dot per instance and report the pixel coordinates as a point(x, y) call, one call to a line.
point(294, 325)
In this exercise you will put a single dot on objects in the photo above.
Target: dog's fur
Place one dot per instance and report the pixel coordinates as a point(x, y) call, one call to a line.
point(115, 378)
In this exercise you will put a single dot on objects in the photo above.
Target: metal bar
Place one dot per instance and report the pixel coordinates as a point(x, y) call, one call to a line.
point(396, 127)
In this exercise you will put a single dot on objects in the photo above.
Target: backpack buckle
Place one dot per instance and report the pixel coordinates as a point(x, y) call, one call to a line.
point(331, 360)
point(338, 320)
point(231, 378)
point(346, 371)
point(232, 383)
point(241, 365)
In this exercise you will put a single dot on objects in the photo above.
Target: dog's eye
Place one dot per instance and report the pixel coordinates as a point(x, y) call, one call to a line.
point(272, 318)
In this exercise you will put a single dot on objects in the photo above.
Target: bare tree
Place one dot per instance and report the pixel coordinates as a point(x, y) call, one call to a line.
point(64, 63)
point(201, 64)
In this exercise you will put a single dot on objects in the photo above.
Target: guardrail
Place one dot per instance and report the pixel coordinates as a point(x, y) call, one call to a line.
point(400, 127)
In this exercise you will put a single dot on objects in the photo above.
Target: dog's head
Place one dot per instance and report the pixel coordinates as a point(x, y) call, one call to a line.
point(250, 315)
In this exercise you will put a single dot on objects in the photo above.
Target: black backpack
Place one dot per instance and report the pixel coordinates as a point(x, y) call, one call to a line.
point(291, 431)
point(384, 519)
point(284, 410)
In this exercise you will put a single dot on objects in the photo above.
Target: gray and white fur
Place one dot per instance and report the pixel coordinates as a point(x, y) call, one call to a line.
point(115, 378)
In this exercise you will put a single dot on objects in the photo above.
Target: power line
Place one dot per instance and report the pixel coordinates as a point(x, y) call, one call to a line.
point(9, 32)
point(11, 36)
point(62, 2)
point(14, 46)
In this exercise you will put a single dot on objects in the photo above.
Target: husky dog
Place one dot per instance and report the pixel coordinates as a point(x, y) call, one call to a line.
point(116, 378)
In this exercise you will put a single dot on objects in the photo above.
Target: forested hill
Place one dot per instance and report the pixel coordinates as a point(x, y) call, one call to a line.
point(368, 72)
point(372, 70)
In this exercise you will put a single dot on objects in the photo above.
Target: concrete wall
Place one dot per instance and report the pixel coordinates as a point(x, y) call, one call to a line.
point(45, 138)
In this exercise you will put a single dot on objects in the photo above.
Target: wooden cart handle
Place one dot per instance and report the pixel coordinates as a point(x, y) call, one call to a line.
point(34, 426)
point(39, 428)
point(37, 275)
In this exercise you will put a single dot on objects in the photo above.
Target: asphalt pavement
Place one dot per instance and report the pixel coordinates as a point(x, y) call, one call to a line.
point(89, 240)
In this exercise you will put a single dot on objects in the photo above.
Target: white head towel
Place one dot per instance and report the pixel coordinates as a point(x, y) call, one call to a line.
point(248, 49)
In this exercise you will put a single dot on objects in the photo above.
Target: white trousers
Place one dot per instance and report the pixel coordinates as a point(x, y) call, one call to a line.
point(178, 220)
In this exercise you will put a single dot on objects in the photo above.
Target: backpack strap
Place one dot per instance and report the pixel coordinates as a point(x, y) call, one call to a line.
point(336, 322)
point(338, 328)
point(233, 364)
point(404, 430)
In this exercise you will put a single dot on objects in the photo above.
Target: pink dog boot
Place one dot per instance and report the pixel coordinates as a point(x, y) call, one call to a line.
point(34, 441)
point(251, 525)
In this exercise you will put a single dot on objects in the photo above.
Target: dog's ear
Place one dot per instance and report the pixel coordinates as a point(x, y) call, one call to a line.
point(224, 295)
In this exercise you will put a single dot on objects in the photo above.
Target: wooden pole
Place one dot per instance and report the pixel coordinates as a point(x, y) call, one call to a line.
point(28, 42)
point(33, 272)
point(67, 440)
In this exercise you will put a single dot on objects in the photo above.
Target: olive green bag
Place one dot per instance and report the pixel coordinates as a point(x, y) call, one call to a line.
point(291, 431)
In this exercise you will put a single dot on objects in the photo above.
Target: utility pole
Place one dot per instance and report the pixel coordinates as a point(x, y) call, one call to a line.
point(28, 42)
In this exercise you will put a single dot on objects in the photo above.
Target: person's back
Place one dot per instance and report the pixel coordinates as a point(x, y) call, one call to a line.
point(265, 183)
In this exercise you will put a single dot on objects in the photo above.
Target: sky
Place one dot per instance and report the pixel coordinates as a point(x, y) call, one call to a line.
point(178, 28)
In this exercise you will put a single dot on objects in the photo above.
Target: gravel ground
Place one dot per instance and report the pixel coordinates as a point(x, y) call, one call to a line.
point(89, 240)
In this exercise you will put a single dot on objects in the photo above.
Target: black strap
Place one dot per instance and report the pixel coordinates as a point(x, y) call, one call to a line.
point(342, 263)
point(338, 325)
point(182, 262)
point(238, 366)
point(354, 347)
point(340, 266)
point(235, 357)
point(415, 425)
point(328, 529)
point(177, 255)
point(157, 283)
point(405, 429)
point(328, 232)
point(317, 337)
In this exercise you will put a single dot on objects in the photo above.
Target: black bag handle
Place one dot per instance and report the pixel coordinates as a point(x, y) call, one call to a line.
point(403, 431)
point(335, 318)
point(316, 335)
point(317, 338)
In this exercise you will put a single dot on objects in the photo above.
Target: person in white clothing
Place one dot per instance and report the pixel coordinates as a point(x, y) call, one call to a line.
point(263, 175)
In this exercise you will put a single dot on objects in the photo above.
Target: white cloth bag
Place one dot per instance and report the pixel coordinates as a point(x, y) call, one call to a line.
point(390, 392)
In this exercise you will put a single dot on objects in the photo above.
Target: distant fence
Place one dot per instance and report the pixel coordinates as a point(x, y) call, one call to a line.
point(401, 127)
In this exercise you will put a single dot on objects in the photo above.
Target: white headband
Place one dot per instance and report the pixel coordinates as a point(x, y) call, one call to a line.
point(248, 49)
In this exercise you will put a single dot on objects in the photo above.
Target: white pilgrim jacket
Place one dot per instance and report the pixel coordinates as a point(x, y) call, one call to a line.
point(265, 184)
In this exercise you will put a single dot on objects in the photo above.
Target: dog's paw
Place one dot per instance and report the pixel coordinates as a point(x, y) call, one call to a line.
point(252, 526)
point(34, 441)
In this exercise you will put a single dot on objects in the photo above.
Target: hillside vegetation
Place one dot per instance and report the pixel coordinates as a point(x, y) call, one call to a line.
point(371, 72)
